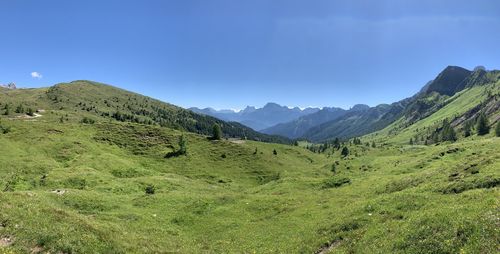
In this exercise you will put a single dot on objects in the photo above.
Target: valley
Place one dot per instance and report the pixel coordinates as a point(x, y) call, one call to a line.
point(104, 184)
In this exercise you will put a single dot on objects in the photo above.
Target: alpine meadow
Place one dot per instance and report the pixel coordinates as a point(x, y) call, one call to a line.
point(89, 167)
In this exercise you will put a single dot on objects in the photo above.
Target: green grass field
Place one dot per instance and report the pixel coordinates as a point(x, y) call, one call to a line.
point(69, 187)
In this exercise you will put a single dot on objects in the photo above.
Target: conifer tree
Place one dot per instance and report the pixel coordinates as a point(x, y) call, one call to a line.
point(182, 146)
point(497, 129)
point(467, 129)
point(216, 132)
point(482, 127)
point(30, 112)
point(345, 151)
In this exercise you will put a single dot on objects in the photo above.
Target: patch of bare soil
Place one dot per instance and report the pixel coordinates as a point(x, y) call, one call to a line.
point(6, 241)
point(59, 192)
point(237, 141)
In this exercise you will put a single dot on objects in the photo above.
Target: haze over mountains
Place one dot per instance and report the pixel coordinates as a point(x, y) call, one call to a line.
point(258, 118)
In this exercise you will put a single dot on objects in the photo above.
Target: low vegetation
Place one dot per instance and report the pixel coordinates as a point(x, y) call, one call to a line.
point(103, 185)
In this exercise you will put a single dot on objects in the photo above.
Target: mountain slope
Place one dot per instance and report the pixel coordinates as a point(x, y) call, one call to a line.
point(433, 96)
point(297, 128)
point(462, 108)
point(259, 118)
point(352, 124)
point(98, 100)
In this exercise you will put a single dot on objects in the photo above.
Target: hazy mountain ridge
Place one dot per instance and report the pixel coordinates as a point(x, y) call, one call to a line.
point(258, 118)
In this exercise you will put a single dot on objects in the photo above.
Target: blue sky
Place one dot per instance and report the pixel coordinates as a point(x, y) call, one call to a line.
point(233, 53)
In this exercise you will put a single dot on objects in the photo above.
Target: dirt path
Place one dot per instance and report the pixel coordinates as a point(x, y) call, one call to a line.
point(237, 141)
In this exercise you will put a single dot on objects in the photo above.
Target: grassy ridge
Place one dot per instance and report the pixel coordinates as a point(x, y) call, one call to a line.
point(97, 100)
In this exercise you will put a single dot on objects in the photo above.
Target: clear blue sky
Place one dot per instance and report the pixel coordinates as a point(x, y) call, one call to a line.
point(233, 53)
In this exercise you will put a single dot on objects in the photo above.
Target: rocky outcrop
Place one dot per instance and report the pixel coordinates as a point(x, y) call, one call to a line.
point(9, 86)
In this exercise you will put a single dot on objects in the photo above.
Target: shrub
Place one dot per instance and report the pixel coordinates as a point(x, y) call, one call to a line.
point(150, 189)
point(30, 112)
point(182, 149)
point(4, 129)
point(335, 182)
point(88, 120)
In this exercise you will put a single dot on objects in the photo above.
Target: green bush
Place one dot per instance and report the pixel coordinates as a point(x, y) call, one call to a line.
point(88, 120)
point(150, 189)
point(335, 182)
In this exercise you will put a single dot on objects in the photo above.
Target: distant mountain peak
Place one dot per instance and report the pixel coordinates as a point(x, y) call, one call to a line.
point(270, 105)
point(359, 107)
point(9, 86)
point(449, 81)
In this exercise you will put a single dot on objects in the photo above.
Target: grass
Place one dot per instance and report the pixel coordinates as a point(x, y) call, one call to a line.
point(72, 187)
point(456, 106)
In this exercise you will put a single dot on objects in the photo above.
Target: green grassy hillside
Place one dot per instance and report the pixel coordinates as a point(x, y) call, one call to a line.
point(96, 100)
point(455, 107)
point(106, 187)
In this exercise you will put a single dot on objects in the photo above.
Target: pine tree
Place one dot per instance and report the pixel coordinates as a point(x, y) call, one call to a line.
point(373, 144)
point(216, 132)
point(336, 143)
point(411, 141)
point(497, 129)
point(345, 151)
point(447, 132)
point(30, 112)
point(275, 152)
point(20, 109)
point(467, 129)
point(7, 110)
point(182, 146)
point(482, 126)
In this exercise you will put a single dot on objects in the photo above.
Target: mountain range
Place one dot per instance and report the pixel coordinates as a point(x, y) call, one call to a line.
point(320, 124)
point(258, 118)
point(360, 120)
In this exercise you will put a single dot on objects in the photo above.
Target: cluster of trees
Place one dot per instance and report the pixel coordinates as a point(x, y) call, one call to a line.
point(216, 135)
point(20, 109)
point(336, 144)
point(445, 132)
